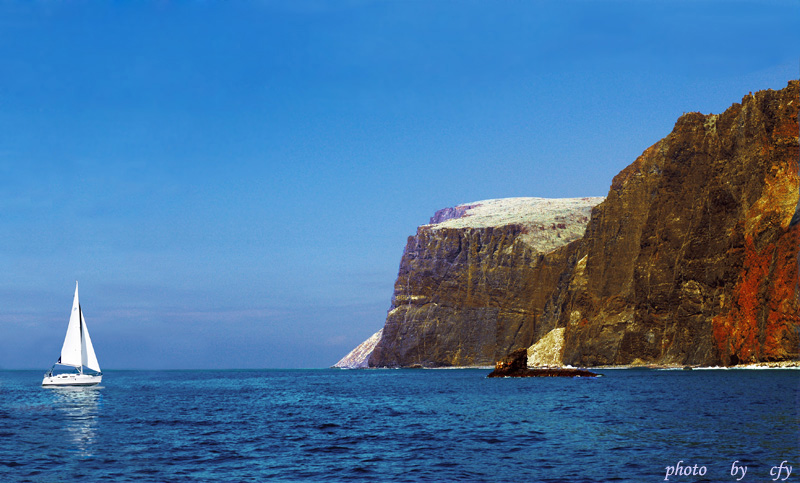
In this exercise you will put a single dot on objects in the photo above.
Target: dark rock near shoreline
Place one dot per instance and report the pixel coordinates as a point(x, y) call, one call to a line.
point(516, 365)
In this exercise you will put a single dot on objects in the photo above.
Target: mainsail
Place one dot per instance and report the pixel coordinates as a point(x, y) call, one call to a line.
point(77, 350)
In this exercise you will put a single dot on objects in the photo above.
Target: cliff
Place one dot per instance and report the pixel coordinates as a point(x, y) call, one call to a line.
point(472, 284)
point(691, 259)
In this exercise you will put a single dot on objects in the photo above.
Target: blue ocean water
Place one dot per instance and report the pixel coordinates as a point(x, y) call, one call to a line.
point(400, 425)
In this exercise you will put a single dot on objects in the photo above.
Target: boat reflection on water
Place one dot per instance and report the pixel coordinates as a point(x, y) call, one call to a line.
point(79, 408)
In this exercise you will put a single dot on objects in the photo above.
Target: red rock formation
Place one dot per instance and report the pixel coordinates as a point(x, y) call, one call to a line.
point(691, 259)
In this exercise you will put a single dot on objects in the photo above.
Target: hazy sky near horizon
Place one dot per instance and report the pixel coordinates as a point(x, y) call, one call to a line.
point(233, 183)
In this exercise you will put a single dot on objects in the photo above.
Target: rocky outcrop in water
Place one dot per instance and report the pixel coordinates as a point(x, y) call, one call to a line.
point(515, 365)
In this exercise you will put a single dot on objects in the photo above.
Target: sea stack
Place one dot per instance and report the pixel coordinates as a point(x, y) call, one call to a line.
point(516, 365)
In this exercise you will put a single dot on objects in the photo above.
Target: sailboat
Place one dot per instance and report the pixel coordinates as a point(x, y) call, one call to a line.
point(77, 354)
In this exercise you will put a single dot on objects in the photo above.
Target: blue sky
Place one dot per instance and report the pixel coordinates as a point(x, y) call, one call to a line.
point(233, 183)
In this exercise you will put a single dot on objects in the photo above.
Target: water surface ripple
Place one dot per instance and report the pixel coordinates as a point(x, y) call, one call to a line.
point(397, 426)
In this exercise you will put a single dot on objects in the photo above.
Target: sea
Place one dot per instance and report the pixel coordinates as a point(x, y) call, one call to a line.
point(632, 425)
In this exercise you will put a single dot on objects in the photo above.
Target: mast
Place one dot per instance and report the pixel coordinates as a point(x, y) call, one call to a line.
point(71, 353)
point(77, 350)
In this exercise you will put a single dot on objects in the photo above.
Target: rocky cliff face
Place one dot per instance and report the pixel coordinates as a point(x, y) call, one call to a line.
point(472, 285)
point(691, 259)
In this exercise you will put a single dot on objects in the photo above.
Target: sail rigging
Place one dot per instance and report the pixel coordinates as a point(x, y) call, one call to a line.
point(77, 351)
point(71, 351)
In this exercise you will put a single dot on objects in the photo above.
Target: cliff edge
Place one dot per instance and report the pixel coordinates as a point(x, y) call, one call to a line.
point(472, 284)
point(691, 259)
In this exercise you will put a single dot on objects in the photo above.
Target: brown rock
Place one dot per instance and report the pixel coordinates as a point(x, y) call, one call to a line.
point(691, 259)
point(469, 294)
point(516, 365)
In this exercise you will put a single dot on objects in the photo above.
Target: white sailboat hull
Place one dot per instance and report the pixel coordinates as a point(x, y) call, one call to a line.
point(72, 380)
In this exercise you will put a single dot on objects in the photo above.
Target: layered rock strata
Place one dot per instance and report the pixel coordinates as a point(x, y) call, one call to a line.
point(471, 287)
point(691, 258)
